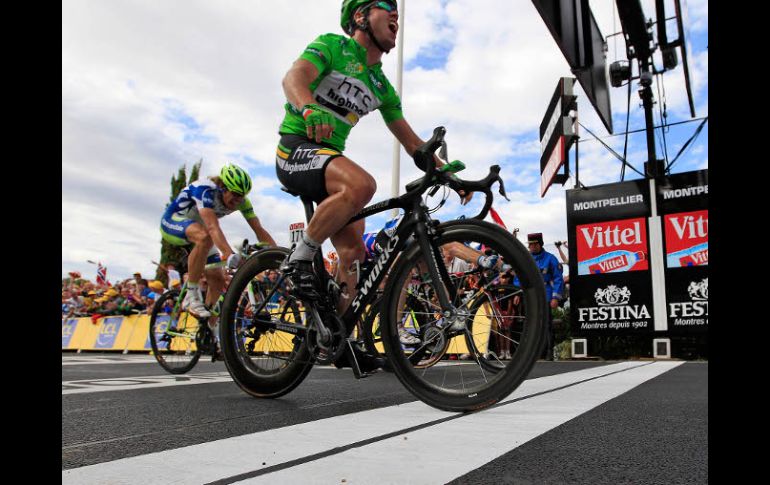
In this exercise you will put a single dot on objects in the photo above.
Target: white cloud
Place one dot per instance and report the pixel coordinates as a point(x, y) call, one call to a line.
point(134, 71)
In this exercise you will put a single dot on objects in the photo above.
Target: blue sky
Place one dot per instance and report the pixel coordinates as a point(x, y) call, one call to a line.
point(150, 86)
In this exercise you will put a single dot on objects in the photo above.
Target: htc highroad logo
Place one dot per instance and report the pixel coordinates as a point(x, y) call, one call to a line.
point(613, 310)
point(696, 311)
point(602, 203)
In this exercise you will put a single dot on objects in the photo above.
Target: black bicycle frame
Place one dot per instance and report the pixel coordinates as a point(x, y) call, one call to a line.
point(415, 221)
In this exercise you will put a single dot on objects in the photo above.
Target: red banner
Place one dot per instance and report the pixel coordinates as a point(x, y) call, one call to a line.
point(687, 235)
point(613, 246)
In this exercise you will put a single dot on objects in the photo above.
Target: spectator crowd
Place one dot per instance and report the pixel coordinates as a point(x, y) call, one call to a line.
point(81, 297)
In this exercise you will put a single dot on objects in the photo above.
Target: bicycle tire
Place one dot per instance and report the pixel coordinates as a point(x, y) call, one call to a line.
point(477, 388)
point(176, 354)
point(246, 365)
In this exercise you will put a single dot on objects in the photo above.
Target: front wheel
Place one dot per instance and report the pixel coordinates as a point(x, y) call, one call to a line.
point(465, 379)
point(172, 334)
point(263, 330)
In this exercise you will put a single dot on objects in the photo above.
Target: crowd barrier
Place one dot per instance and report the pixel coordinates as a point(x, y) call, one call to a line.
point(117, 333)
point(131, 334)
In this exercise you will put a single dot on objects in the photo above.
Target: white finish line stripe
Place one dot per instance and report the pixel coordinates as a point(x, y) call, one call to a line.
point(451, 449)
point(231, 457)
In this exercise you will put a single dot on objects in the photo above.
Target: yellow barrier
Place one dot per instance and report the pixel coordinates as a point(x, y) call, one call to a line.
point(131, 333)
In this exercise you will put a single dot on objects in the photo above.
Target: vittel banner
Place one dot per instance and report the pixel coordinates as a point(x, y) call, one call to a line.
point(610, 284)
point(683, 204)
point(612, 247)
point(687, 239)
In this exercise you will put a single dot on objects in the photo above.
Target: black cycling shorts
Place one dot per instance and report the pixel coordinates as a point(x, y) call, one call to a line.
point(301, 164)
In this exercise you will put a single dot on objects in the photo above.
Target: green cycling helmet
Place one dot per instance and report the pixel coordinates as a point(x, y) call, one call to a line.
point(235, 179)
point(348, 9)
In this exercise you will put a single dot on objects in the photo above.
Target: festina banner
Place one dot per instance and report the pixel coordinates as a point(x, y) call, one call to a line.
point(682, 201)
point(610, 283)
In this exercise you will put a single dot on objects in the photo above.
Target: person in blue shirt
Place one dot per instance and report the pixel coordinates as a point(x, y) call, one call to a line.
point(554, 282)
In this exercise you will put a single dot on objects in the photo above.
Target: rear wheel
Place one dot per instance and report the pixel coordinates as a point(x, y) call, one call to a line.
point(173, 333)
point(263, 331)
point(454, 384)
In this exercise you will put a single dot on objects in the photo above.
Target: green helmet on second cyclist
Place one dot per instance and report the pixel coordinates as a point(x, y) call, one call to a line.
point(235, 179)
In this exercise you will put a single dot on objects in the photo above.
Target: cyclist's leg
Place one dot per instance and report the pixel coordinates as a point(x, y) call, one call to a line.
point(196, 261)
point(350, 188)
point(338, 185)
point(216, 280)
point(350, 248)
point(202, 252)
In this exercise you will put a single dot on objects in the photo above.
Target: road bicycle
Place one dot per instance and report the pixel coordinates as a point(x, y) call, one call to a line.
point(269, 350)
point(178, 338)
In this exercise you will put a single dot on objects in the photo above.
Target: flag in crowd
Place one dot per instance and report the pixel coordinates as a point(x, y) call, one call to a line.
point(101, 275)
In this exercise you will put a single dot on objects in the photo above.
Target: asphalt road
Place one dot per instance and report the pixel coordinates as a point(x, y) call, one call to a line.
point(124, 420)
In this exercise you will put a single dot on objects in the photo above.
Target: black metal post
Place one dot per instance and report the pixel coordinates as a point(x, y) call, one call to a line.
point(653, 167)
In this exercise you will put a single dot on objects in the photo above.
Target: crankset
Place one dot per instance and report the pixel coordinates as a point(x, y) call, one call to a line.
point(204, 339)
point(326, 337)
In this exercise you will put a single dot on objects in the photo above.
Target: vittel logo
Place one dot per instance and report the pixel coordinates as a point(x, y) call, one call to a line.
point(612, 236)
point(612, 304)
point(688, 227)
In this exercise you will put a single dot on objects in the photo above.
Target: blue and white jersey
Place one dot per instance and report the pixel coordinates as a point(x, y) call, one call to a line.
point(204, 194)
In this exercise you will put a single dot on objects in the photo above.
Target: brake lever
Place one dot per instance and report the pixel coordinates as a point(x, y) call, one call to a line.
point(502, 188)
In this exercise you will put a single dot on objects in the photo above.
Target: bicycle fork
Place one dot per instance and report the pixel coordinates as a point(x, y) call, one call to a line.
point(452, 315)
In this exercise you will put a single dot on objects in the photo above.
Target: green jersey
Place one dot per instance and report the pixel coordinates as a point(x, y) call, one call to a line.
point(345, 86)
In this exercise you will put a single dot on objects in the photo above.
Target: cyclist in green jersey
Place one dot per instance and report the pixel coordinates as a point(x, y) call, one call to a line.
point(335, 82)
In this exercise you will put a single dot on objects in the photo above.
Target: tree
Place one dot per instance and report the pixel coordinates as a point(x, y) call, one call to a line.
point(196, 168)
point(170, 253)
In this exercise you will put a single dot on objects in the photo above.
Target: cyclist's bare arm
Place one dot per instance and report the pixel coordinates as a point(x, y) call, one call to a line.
point(296, 86)
point(459, 250)
point(296, 82)
point(215, 232)
point(262, 234)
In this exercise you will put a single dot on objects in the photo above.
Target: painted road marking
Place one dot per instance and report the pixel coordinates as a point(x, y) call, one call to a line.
point(164, 380)
point(266, 455)
point(146, 382)
point(136, 383)
point(454, 448)
point(102, 360)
